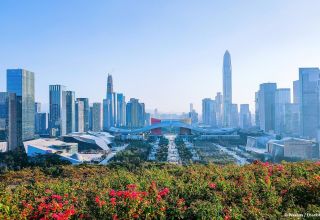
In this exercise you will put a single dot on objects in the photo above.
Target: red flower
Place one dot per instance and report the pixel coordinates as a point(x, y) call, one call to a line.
point(164, 192)
point(212, 185)
point(112, 193)
point(57, 197)
point(113, 201)
point(114, 217)
point(131, 186)
point(283, 192)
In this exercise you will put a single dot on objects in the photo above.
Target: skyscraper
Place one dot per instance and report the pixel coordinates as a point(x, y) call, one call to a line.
point(135, 113)
point(227, 89)
point(121, 110)
point(218, 108)
point(109, 105)
point(245, 116)
point(71, 112)
point(41, 123)
point(256, 112)
point(234, 116)
point(83, 115)
point(96, 117)
point(21, 82)
point(266, 105)
point(282, 97)
point(8, 119)
point(79, 116)
point(209, 112)
point(309, 102)
point(58, 114)
point(296, 92)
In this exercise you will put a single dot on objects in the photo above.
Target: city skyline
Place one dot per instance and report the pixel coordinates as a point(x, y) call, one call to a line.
point(64, 48)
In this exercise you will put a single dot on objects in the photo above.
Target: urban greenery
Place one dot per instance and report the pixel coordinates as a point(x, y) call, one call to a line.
point(162, 152)
point(162, 191)
point(184, 152)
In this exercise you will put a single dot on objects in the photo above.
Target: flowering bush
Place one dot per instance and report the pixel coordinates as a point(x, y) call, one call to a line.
point(162, 191)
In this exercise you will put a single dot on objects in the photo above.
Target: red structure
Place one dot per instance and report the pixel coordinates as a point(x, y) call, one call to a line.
point(156, 131)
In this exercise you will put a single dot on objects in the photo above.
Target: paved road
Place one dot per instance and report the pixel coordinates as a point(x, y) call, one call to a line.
point(173, 154)
point(113, 153)
point(240, 160)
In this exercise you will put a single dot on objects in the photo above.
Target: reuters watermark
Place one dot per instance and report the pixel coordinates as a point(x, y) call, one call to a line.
point(302, 215)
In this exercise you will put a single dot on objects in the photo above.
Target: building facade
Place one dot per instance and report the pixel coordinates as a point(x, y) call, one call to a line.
point(96, 115)
point(21, 82)
point(227, 89)
point(209, 112)
point(57, 110)
point(282, 97)
point(309, 103)
point(245, 116)
point(70, 112)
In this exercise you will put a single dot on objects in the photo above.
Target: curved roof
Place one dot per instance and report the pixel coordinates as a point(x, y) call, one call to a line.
point(176, 124)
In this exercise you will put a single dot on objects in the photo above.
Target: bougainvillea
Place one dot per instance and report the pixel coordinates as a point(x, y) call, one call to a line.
point(162, 191)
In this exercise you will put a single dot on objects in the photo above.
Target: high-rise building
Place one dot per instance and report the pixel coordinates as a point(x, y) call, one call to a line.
point(58, 114)
point(309, 102)
point(234, 117)
point(96, 119)
point(292, 119)
point(245, 116)
point(135, 113)
point(282, 97)
point(209, 112)
point(296, 92)
point(256, 112)
point(109, 105)
point(121, 110)
point(8, 119)
point(218, 108)
point(71, 112)
point(227, 89)
point(82, 119)
point(41, 123)
point(21, 82)
point(37, 107)
point(266, 101)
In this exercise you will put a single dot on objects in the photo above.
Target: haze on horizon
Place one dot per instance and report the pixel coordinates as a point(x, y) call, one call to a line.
point(166, 53)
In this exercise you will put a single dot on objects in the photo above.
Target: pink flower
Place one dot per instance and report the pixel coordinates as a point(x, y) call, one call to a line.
point(57, 197)
point(113, 201)
point(112, 193)
point(212, 185)
point(164, 192)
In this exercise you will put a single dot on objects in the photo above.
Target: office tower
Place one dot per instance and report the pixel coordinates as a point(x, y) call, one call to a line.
point(245, 116)
point(193, 116)
point(227, 89)
point(82, 118)
point(109, 105)
point(147, 119)
point(41, 123)
point(309, 102)
point(256, 112)
point(266, 100)
point(37, 107)
point(191, 107)
point(218, 108)
point(135, 113)
point(296, 92)
point(96, 119)
point(8, 119)
point(234, 117)
point(57, 108)
point(71, 112)
point(21, 82)
point(292, 119)
point(209, 112)
point(282, 97)
point(121, 110)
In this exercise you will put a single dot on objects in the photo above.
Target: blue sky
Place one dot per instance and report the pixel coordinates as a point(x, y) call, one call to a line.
point(166, 53)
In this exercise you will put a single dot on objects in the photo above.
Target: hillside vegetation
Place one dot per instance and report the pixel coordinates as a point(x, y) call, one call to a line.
point(161, 191)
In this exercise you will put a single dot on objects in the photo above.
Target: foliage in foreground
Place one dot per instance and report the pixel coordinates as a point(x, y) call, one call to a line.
point(162, 191)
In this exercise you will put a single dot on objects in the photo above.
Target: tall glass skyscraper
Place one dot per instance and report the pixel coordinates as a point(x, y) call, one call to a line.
point(309, 102)
point(209, 112)
point(21, 82)
point(266, 105)
point(58, 114)
point(227, 89)
point(86, 114)
point(282, 97)
point(96, 117)
point(8, 119)
point(71, 112)
point(121, 110)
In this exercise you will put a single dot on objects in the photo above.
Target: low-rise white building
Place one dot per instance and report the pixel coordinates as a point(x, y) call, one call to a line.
point(67, 151)
point(294, 148)
point(3, 147)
